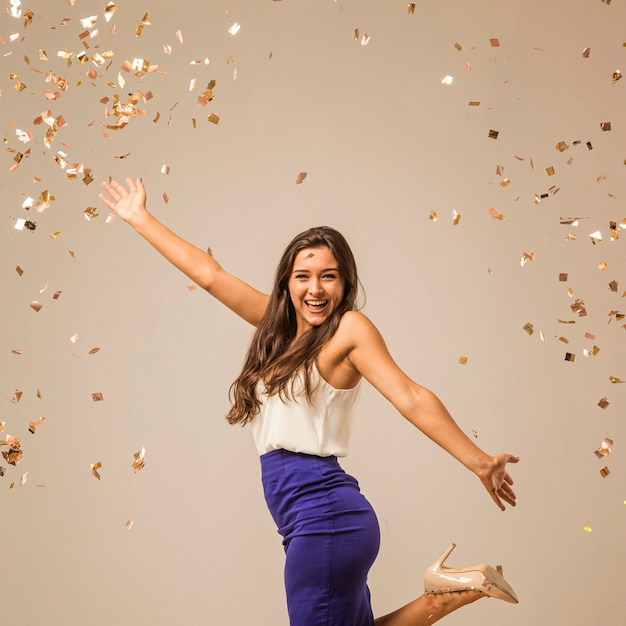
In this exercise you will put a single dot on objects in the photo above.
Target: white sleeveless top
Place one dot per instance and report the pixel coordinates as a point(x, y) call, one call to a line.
point(321, 427)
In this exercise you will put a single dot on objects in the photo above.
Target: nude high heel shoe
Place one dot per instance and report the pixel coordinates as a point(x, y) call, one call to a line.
point(483, 578)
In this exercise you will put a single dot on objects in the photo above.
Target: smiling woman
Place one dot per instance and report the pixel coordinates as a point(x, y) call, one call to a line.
point(315, 287)
point(299, 388)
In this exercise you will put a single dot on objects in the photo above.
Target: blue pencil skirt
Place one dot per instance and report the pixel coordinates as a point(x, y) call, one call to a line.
point(330, 536)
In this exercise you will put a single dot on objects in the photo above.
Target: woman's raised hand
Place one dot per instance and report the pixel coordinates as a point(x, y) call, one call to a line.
point(129, 204)
point(498, 481)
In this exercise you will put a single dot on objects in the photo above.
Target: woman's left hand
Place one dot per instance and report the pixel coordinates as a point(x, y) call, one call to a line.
point(497, 480)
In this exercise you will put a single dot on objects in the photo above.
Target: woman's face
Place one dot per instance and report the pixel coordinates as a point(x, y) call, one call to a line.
point(315, 286)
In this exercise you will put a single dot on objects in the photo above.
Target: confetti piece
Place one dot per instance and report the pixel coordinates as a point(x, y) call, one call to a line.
point(473, 103)
point(97, 397)
point(561, 146)
point(16, 351)
point(527, 256)
point(596, 237)
point(563, 277)
point(529, 328)
point(434, 216)
point(129, 524)
point(505, 183)
point(579, 307)
point(616, 380)
point(463, 360)
point(604, 403)
point(603, 266)
point(94, 469)
point(179, 36)
point(586, 52)
point(604, 472)
point(605, 126)
point(214, 118)
point(94, 351)
point(493, 134)
point(36, 306)
point(447, 80)
point(550, 171)
point(605, 448)
point(234, 29)
point(411, 8)
point(495, 215)
point(456, 218)
point(75, 338)
point(616, 76)
point(365, 39)
point(495, 43)
point(458, 46)
point(139, 462)
point(570, 357)
point(300, 178)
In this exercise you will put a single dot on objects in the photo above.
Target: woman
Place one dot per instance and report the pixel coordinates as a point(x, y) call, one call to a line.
point(298, 389)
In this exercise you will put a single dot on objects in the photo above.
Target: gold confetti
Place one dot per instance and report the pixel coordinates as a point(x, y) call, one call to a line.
point(97, 397)
point(616, 76)
point(434, 216)
point(19, 270)
point(563, 277)
point(94, 469)
point(616, 380)
point(496, 215)
point(527, 256)
point(16, 351)
point(139, 462)
point(604, 472)
point(300, 178)
point(495, 43)
point(529, 328)
point(605, 126)
point(129, 524)
point(456, 218)
point(586, 52)
point(365, 39)
point(550, 171)
point(493, 134)
point(94, 351)
point(579, 307)
point(596, 237)
point(605, 448)
point(458, 46)
point(603, 266)
point(604, 403)
point(505, 182)
point(75, 338)
point(570, 357)
point(473, 103)
point(36, 306)
point(214, 118)
point(463, 360)
point(411, 8)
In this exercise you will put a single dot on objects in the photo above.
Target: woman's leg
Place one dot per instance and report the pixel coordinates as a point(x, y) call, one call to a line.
point(428, 608)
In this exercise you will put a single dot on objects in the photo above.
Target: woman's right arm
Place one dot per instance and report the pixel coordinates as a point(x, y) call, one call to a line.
point(198, 265)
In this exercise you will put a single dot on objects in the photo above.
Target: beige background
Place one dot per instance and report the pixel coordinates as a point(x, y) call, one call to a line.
point(384, 143)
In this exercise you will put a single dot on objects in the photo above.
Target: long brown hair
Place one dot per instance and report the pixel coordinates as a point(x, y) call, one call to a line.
point(271, 358)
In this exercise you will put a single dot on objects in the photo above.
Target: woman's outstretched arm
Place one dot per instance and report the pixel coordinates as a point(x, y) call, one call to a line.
point(200, 266)
point(368, 354)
